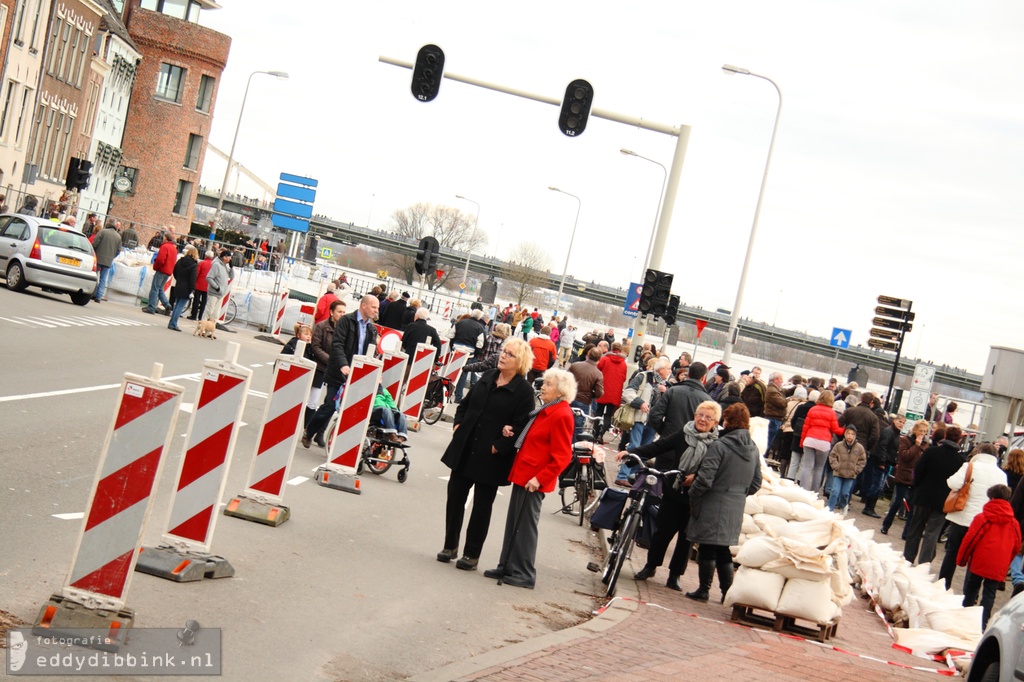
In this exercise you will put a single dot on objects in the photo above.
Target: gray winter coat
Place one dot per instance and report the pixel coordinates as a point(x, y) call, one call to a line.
point(106, 244)
point(217, 279)
point(730, 470)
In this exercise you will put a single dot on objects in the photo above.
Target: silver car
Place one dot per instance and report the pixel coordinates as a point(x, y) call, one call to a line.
point(41, 253)
point(999, 656)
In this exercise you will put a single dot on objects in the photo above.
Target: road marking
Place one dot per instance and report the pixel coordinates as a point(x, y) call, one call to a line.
point(69, 320)
point(7, 319)
point(298, 480)
point(85, 389)
point(69, 517)
point(40, 322)
point(256, 366)
point(55, 320)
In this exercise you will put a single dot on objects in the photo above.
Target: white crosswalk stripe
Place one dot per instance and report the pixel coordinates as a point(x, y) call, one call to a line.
point(54, 322)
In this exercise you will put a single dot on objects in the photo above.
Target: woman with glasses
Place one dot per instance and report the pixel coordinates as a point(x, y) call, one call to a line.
point(687, 448)
point(545, 449)
point(482, 449)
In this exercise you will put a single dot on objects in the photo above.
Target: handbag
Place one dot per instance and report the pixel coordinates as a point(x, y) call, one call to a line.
point(957, 499)
point(624, 417)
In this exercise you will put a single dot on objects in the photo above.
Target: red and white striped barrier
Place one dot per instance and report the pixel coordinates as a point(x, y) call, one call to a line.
point(282, 301)
point(356, 405)
point(202, 473)
point(307, 310)
point(393, 373)
point(456, 361)
point(416, 387)
point(224, 303)
point(275, 445)
point(119, 507)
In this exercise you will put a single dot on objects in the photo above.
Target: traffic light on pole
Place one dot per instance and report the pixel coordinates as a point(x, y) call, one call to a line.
point(427, 72)
point(673, 310)
point(576, 107)
point(69, 179)
point(426, 256)
point(655, 293)
point(83, 175)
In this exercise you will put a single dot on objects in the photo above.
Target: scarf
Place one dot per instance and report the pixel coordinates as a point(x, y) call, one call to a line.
point(698, 444)
point(533, 418)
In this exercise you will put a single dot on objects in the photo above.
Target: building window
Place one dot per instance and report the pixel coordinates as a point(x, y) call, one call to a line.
point(170, 82)
point(21, 114)
point(81, 59)
point(19, 22)
point(35, 25)
point(7, 109)
point(56, 48)
point(182, 197)
point(195, 145)
point(206, 85)
point(179, 9)
point(70, 70)
point(90, 109)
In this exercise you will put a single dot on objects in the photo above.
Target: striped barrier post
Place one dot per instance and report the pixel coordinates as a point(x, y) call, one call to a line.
point(456, 361)
point(279, 315)
point(307, 310)
point(416, 385)
point(356, 405)
point(393, 373)
point(275, 446)
point(446, 349)
point(224, 304)
point(93, 595)
point(184, 555)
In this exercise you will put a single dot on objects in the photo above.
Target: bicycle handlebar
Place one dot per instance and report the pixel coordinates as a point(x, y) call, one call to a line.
point(649, 470)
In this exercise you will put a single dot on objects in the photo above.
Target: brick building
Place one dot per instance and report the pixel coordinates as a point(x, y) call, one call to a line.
point(171, 111)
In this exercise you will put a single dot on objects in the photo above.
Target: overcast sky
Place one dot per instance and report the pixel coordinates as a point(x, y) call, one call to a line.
point(898, 166)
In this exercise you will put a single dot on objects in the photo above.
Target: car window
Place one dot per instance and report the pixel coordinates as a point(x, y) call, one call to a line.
point(63, 239)
point(13, 228)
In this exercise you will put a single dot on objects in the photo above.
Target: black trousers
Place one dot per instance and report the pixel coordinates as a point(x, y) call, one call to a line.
point(673, 515)
point(953, 541)
point(479, 519)
point(324, 413)
point(198, 304)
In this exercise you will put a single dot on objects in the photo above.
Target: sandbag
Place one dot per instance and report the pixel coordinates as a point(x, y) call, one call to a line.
point(818, 533)
point(756, 552)
point(748, 525)
point(753, 505)
point(755, 588)
point(963, 622)
point(927, 641)
point(809, 600)
point(807, 512)
point(794, 493)
point(777, 506)
point(768, 523)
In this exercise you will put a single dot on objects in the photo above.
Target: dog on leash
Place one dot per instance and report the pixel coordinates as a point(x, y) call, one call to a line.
point(206, 328)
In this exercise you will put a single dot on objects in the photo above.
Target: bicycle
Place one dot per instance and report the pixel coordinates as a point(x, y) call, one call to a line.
point(647, 487)
point(439, 391)
point(581, 498)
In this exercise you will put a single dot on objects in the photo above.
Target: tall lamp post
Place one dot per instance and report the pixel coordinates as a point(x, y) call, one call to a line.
point(469, 248)
point(572, 238)
point(651, 260)
point(734, 320)
point(231, 155)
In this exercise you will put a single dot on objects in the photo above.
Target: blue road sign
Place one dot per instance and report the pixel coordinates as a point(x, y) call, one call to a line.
point(632, 307)
point(298, 180)
point(295, 192)
point(840, 338)
point(293, 208)
point(289, 223)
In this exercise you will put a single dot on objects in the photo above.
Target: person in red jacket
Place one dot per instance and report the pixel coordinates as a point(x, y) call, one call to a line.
point(816, 440)
point(199, 295)
point(613, 369)
point(992, 541)
point(323, 306)
point(163, 268)
point(545, 449)
point(544, 353)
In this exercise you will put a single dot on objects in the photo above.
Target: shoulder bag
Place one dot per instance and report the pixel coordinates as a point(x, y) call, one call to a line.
point(957, 499)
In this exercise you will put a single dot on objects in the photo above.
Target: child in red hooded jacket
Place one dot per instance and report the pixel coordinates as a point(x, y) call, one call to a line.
point(988, 548)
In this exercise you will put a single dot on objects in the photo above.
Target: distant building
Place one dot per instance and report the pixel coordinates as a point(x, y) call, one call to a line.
point(170, 113)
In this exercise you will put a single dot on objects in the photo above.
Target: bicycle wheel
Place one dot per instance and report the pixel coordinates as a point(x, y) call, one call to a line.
point(594, 497)
point(332, 426)
point(433, 406)
point(625, 545)
point(569, 500)
point(582, 490)
point(230, 311)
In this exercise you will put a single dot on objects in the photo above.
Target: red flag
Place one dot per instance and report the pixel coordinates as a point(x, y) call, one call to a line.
point(439, 273)
point(700, 326)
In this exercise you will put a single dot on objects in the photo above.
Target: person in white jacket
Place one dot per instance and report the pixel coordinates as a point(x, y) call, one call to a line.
point(985, 473)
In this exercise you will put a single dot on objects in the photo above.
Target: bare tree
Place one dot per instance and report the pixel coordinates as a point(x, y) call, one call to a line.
point(527, 270)
point(413, 223)
point(453, 230)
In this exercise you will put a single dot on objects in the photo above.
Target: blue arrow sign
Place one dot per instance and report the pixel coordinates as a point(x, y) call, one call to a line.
point(840, 338)
point(288, 223)
point(632, 306)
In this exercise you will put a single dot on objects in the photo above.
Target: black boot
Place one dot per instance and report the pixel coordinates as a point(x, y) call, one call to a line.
point(646, 572)
point(673, 582)
point(307, 416)
point(725, 578)
point(869, 508)
point(706, 575)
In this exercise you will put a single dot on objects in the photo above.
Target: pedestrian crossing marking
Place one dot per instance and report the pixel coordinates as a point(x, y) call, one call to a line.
point(54, 322)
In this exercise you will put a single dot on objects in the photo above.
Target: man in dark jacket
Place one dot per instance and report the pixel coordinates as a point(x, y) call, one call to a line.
point(354, 333)
point(420, 331)
point(774, 405)
point(865, 420)
point(754, 394)
point(881, 458)
point(323, 338)
point(677, 405)
point(930, 491)
point(391, 315)
point(589, 385)
point(106, 244)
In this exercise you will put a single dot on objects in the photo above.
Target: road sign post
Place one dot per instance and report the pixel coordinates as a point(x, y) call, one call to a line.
point(839, 339)
point(889, 330)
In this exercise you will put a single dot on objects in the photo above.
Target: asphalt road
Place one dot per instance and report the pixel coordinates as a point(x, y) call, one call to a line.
point(347, 589)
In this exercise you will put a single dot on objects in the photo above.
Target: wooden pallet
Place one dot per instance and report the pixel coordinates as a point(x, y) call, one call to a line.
point(781, 622)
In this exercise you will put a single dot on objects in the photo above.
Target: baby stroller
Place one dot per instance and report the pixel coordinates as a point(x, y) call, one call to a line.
point(382, 448)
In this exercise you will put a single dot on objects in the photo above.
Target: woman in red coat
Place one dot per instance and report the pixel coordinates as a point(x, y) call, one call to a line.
point(545, 449)
point(816, 440)
point(613, 369)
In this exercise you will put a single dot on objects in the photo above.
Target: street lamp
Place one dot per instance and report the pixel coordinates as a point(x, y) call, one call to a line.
point(734, 320)
point(639, 327)
point(572, 238)
point(469, 248)
point(281, 75)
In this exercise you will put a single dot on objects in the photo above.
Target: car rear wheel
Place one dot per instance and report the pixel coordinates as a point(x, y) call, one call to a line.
point(80, 298)
point(991, 673)
point(16, 277)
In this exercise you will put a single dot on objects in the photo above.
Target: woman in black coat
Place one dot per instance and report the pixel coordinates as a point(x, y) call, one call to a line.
point(185, 271)
point(480, 456)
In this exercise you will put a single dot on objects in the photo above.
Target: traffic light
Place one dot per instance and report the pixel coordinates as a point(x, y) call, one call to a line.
point(576, 107)
point(655, 293)
point(82, 176)
point(73, 166)
point(426, 256)
point(426, 73)
point(673, 310)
